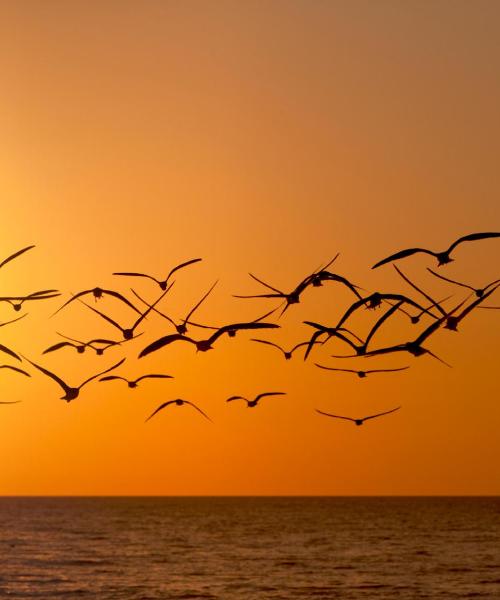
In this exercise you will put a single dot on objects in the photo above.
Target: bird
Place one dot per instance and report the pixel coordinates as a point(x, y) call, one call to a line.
point(182, 326)
point(70, 393)
point(318, 278)
point(442, 257)
point(10, 367)
point(478, 291)
point(133, 383)
point(204, 345)
point(361, 374)
point(292, 297)
point(178, 402)
point(15, 255)
point(323, 329)
point(164, 282)
point(452, 321)
point(128, 333)
point(11, 402)
point(255, 401)
point(286, 353)
point(98, 293)
point(425, 311)
point(80, 346)
point(358, 421)
point(17, 301)
point(433, 302)
point(362, 349)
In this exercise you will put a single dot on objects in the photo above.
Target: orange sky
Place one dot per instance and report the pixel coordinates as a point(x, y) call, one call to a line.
point(263, 137)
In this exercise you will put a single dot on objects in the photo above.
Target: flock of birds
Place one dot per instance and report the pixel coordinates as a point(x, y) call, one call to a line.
point(428, 308)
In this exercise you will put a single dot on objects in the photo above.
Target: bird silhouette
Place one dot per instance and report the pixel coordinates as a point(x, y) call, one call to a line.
point(182, 326)
point(255, 401)
point(358, 421)
point(442, 257)
point(16, 369)
point(204, 345)
point(433, 302)
point(128, 333)
point(323, 329)
point(286, 353)
point(17, 301)
point(178, 402)
point(452, 321)
point(70, 393)
point(15, 255)
point(134, 382)
point(361, 374)
point(478, 291)
point(98, 293)
point(80, 346)
point(163, 283)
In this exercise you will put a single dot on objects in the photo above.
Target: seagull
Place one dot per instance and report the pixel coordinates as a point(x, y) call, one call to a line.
point(358, 421)
point(254, 402)
point(128, 333)
point(204, 345)
point(80, 346)
point(442, 257)
point(98, 293)
point(453, 321)
point(15, 255)
point(286, 353)
point(70, 393)
point(162, 283)
point(362, 374)
point(320, 330)
point(42, 295)
point(182, 326)
point(133, 383)
point(478, 291)
point(178, 402)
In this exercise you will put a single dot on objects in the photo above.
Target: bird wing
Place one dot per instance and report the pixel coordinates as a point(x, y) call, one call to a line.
point(420, 291)
point(152, 306)
point(269, 287)
point(127, 274)
point(382, 319)
point(237, 326)
point(161, 407)
point(9, 352)
point(236, 398)
point(155, 309)
point(402, 254)
point(387, 370)
point(476, 302)
point(164, 341)
point(334, 369)
point(335, 416)
point(120, 362)
point(13, 320)
point(153, 376)
point(450, 280)
point(268, 343)
point(111, 377)
point(53, 376)
point(15, 255)
point(197, 305)
point(471, 238)
point(257, 398)
point(105, 317)
point(15, 369)
point(382, 413)
point(57, 347)
point(198, 409)
point(119, 296)
point(181, 266)
point(73, 297)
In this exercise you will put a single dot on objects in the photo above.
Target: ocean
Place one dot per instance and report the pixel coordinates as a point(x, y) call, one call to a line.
point(250, 548)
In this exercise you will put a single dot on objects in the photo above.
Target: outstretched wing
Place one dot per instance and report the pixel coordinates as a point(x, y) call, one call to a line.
point(257, 398)
point(153, 376)
point(181, 266)
point(382, 413)
point(15, 369)
point(402, 254)
point(161, 407)
point(334, 416)
point(120, 362)
point(472, 237)
point(58, 346)
point(53, 376)
point(198, 409)
point(164, 341)
point(15, 255)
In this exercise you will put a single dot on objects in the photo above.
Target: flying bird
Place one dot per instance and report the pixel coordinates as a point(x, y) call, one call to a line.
point(478, 291)
point(17, 301)
point(80, 346)
point(98, 293)
point(255, 401)
point(442, 257)
point(134, 382)
point(358, 421)
point(178, 402)
point(286, 353)
point(15, 255)
point(163, 283)
point(70, 393)
point(452, 321)
point(361, 374)
point(128, 333)
point(204, 345)
point(182, 326)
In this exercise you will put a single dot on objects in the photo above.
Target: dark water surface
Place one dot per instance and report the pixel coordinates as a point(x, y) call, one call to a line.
point(250, 548)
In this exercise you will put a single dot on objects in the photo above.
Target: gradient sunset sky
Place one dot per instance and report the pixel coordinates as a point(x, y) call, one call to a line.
point(264, 137)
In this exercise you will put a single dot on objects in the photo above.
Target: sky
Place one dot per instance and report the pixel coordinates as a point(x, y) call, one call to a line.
point(262, 138)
